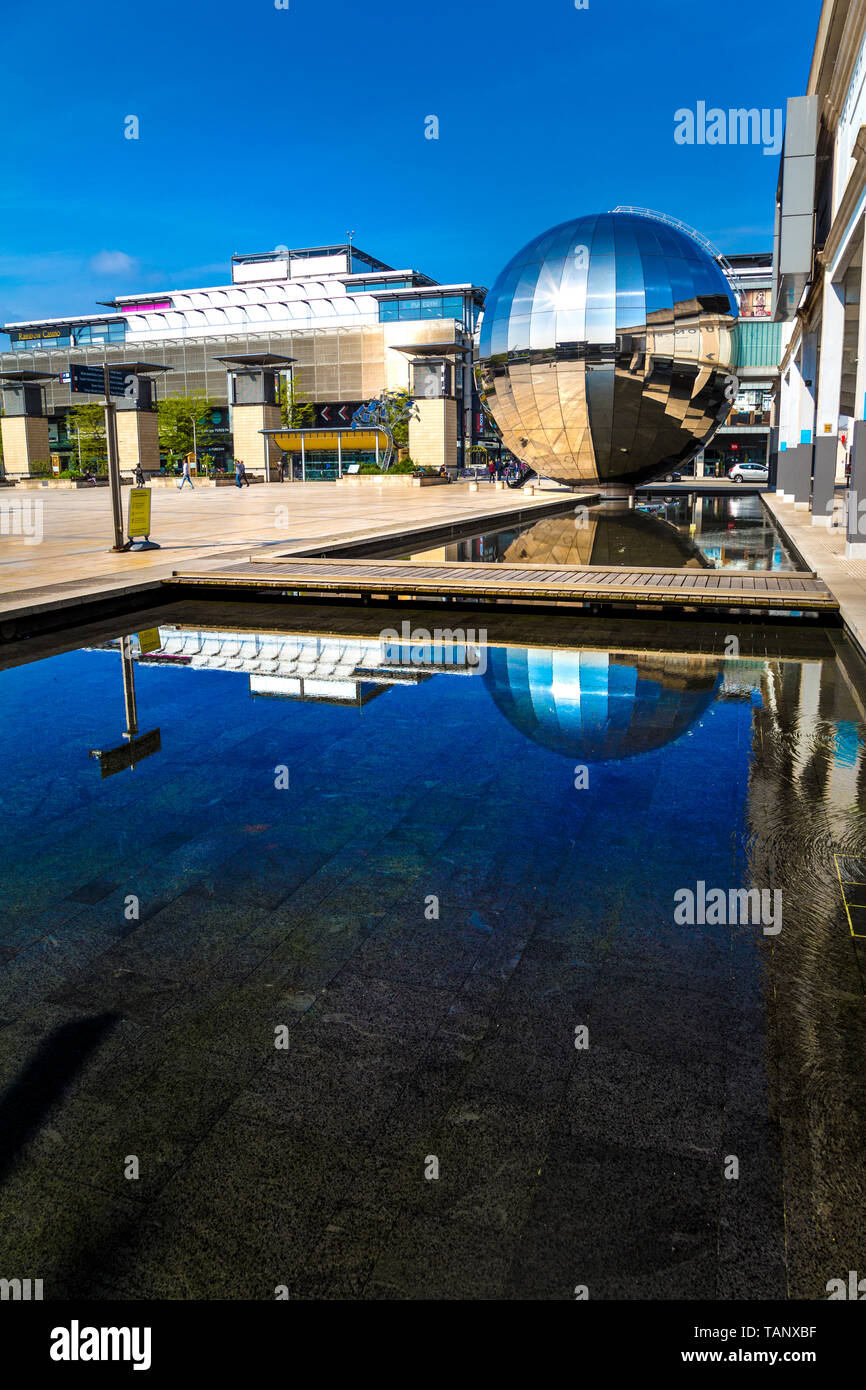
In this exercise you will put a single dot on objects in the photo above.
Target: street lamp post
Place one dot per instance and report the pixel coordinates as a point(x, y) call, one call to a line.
point(113, 463)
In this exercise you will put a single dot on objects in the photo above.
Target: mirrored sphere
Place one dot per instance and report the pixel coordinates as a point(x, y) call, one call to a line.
point(607, 349)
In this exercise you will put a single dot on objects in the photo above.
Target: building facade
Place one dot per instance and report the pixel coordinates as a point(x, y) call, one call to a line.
point(818, 271)
point(745, 435)
point(353, 327)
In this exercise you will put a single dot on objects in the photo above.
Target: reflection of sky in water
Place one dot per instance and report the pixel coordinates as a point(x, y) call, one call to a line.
point(749, 771)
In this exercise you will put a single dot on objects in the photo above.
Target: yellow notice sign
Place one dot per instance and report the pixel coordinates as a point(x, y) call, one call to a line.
point(139, 512)
point(149, 641)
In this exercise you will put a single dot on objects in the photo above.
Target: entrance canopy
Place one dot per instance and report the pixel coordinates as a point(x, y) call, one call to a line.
point(291, 440)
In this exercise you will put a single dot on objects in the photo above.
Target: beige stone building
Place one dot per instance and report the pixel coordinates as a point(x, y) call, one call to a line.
point(352, 326)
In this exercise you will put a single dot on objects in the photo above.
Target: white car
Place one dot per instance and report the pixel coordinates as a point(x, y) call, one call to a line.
point(749, 473)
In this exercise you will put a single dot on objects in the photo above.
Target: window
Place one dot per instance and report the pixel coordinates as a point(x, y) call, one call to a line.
point(362, 286)
point(100, 333)
point(436, 306)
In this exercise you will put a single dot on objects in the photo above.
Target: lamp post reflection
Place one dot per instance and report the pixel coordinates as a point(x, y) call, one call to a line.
point(137, 746)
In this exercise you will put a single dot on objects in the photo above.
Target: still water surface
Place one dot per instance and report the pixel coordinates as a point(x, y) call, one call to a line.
point(432, 875)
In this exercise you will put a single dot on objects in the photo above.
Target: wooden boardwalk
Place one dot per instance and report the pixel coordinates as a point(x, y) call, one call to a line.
point(595, 584)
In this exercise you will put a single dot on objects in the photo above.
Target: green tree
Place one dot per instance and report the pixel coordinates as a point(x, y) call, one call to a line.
point(86, 426)
point(296, 412)
point(176, 417)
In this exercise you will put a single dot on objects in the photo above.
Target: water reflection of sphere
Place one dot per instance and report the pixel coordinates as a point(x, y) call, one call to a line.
point(599, 537)
point(600, 706)
point(606, 349)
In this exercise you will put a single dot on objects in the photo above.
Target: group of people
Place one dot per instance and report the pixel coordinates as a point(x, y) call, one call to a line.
point(241, 478)
point(494, 469)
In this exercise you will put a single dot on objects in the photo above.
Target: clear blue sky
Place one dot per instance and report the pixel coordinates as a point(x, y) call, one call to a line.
point(261, 126)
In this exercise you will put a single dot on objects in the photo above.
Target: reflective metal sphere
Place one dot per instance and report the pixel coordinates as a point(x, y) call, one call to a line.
point(606, 350)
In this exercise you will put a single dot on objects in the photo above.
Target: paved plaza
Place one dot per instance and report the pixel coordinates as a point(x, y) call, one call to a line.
point(74, 557)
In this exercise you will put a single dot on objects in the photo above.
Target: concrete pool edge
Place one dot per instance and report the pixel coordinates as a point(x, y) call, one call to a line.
point(821, 551)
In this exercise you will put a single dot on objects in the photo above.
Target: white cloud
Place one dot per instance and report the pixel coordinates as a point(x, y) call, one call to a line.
point(112, 263)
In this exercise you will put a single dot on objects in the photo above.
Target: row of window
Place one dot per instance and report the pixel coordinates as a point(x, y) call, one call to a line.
point(359, 286)
point(437, 306)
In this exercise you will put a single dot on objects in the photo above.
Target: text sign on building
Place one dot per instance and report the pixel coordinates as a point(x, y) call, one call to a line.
point(91, 380)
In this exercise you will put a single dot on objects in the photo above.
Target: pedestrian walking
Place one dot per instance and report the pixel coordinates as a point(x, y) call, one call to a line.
point(241, 473)
point(185, 477)
point(491, 469)
point(284, 468)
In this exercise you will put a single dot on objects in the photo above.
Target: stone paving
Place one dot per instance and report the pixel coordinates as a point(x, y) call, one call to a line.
point(74, 557)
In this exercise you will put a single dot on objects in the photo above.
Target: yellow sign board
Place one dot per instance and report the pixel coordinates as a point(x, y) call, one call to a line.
point(139, 512)
point(149, 641)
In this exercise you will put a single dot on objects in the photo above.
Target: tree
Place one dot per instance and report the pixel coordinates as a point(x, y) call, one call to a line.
point(86, 426)
point(296, 412)
point(176, 417)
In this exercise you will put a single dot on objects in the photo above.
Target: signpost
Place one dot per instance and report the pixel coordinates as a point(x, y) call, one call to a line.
point(102, 380)
point(107, 381)
point(138, 523)
point(136, 746)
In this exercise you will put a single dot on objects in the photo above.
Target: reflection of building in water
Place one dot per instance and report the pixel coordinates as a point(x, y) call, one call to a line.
point(596, 537)
point(336, 670)
point(600, 705)
point(806, 808)
point(732, 532)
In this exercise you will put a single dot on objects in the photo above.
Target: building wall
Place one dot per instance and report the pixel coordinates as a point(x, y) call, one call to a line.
point(822, 290)
point(433, 435)
point(249, 444)
point(25, 442)
point(137, 440)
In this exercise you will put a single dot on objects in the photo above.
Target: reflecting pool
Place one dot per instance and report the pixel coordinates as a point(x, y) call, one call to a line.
point(683, 532)
point(290, 910)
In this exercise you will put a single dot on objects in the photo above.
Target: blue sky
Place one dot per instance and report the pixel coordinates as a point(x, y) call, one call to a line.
point(261, 127)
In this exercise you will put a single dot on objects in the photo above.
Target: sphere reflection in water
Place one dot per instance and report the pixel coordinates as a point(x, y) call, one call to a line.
point(606, 350)
point(600, 706)
point(602, 537)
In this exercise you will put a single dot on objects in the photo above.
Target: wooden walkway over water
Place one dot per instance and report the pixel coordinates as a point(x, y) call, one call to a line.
point(513, 583)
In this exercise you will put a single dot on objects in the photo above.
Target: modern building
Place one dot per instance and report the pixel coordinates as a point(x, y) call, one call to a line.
point(345, 325)
point(818, 273)
point(745, 435)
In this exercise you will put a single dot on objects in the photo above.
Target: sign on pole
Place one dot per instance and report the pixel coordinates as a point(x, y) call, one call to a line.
point(139, 512)
point(90, 380)
point(149, 641)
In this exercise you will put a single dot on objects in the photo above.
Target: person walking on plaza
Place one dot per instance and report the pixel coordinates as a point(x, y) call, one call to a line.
point(241, 473)
point(491, 469)
point(185, 477)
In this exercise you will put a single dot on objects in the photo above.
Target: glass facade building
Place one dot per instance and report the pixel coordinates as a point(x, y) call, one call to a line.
point(348, 321)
